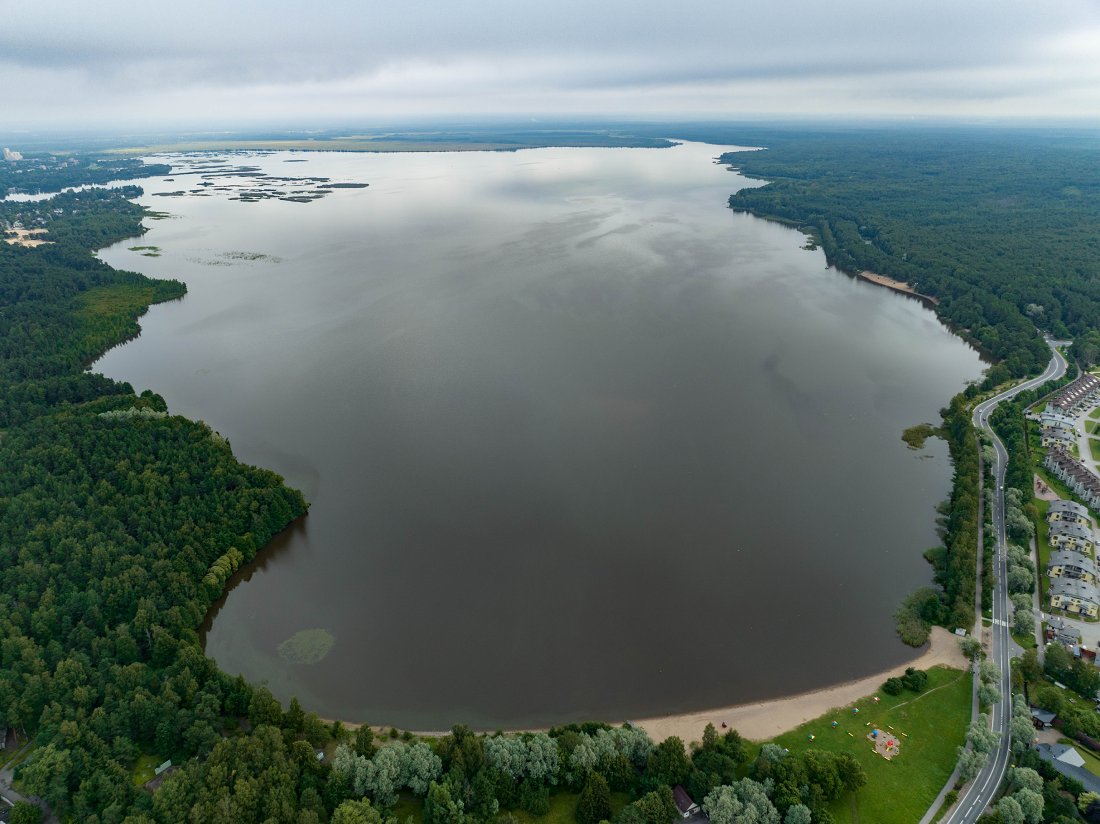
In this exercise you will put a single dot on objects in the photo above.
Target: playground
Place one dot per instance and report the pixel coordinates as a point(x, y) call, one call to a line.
point(905, 770)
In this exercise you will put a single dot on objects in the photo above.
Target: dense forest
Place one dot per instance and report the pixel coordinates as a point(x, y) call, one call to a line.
point(999, 227)
point(49, 172)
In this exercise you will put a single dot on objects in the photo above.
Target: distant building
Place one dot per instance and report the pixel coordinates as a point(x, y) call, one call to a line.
point(1075, 396)
point(9, 155)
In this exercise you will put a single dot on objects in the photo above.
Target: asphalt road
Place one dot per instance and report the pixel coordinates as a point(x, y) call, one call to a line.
point(983, 788)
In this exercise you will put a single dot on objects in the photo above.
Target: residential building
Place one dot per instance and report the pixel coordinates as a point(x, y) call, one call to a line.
point(1075, 396)
point(1075, 597)
point(1071, 535)
point(1067, 564)
point(1070, 765)
point(1056, 436)
point(1068, 511)
point(684, 804)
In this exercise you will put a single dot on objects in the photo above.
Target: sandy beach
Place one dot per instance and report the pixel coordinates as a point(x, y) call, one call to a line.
point(896, 285)
point(767, 719)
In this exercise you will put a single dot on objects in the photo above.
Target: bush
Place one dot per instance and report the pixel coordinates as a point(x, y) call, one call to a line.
point(893, 686)
point(25, 813)
point(915, 679)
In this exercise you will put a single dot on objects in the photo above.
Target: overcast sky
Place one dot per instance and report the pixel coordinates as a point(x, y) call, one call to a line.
point(193, 63)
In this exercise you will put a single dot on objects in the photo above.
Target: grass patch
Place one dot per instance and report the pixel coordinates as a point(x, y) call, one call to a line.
point(142, 770)
point(409, 807)
point(563, 807)
point(915, 436)
point(934, 726)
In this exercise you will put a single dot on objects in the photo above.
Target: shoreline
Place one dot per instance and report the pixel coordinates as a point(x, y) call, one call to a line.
point(763, 720)
point(896, 285)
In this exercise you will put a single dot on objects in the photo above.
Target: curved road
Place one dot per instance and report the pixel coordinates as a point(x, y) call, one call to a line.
point(983, 788)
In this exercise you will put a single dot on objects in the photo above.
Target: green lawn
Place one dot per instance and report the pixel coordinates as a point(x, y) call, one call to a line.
point(931, 728)
point(409, 806)
point(1041, 531)
point(142, 770)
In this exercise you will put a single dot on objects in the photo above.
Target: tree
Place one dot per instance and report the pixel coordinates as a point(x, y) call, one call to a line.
point(364, 741)
point(1031, 804)
point(594, 805)
point(1025, 778)
point(797, 814)
point(981, 735)
point(710, 737)
point(25, 813)
point(657, 807)
point(1023, 732)
point(1023, 621)
point(970, 763)
point(971, 647)
point(668, 763)
point(419, 767)
point(1010, 811)
point(440, 807)
point(1020, 579)
point(356, 812)
point(744, 800)
point(988, 694)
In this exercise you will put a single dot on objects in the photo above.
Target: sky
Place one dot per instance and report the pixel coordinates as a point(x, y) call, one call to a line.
point(240, 63)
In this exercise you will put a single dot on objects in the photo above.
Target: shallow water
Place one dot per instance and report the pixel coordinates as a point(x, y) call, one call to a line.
point(579, 441)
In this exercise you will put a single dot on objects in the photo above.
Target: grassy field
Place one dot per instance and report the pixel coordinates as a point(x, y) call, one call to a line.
point(931, 727)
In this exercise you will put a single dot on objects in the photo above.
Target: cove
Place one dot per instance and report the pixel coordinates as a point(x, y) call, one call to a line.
point(580, 442)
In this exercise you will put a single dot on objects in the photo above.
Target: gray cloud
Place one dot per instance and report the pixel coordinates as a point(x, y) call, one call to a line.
point(269, 59)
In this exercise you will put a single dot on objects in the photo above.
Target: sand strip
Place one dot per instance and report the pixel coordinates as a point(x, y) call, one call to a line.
point(896, 285)
point(767, 719)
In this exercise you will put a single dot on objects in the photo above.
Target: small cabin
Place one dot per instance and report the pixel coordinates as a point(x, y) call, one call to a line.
point(684, 804)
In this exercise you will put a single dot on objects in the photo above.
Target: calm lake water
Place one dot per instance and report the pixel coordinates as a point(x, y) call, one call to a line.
point(579, 441)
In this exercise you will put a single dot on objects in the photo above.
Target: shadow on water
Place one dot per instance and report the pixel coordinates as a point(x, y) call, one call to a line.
point(278, 546)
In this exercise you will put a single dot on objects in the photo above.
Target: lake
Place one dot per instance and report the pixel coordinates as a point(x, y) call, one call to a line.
point(580, 442)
